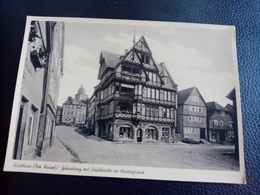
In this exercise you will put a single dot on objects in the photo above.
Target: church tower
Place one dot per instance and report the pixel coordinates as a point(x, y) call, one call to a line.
point(81, 95)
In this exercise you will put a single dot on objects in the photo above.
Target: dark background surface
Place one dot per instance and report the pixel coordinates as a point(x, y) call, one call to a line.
point(245, 15)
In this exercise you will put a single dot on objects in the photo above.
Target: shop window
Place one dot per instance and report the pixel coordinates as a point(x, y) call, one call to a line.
point(126, 132)
point(151, 133)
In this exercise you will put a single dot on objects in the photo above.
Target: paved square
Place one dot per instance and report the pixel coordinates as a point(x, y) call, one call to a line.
point(178, 155)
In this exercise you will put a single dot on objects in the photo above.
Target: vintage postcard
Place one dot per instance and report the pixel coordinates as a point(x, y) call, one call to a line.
point(127, 99)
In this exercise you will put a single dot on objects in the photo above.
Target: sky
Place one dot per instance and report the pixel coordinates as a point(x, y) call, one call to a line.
point(195, 55)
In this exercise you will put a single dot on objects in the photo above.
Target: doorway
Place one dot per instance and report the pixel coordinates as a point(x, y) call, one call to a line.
point(20, 131)
point(202, 133)
point(139, 135)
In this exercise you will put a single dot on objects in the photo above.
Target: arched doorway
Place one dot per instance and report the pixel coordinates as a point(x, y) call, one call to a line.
point(151, 133)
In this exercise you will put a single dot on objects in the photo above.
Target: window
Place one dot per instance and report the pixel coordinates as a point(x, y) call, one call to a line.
point(145, 59)
point(169, 96)
point(157, 94)
point(143, 109)
point(151, 133)
point(221, 123)
point(148, 92)
point(152, 111)
point(150, 75)
point(165, 95)
point(222, 113)
point(161, 95)
point(195, 98)
point(173, 96)
point(215, 122)
point(154, 77)
point(153, 93)
point(139, 89)
point(147, 111)
point(127, 89)
point(156, 111)
point(134, 108)
point(167, 113)
point(160, 112)
point(145, 92)
point(164, 112)
point(138, 108)
point(126, 132)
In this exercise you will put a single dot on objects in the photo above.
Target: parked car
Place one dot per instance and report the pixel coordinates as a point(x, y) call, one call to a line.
point(191, 141)
point(84, 129)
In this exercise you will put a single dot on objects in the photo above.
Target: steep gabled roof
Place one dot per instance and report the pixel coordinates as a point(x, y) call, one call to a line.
point(232, 94)
point(163, 72)
point(229, 107)
point(213, 106)
point(184, 94)
point(111, 59)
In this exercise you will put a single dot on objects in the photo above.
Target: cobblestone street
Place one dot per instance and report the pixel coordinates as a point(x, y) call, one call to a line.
point(90, 149)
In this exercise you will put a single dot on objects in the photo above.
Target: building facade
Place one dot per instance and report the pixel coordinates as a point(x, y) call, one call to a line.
point(219, 123)
point(30, 99)
point(91, 114)
point(73, 112)
point(40, 58)
point(136, 98)
point(52, 76)
point(232, 96)
point(191, 116)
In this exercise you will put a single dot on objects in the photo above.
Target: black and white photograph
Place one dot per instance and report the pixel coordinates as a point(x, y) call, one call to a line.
point(127, 99)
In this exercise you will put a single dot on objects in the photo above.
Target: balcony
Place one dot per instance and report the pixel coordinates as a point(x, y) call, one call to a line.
point(124, 96)
point(129, 77)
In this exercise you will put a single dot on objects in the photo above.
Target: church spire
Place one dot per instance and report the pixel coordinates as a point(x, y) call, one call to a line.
point(134, 37)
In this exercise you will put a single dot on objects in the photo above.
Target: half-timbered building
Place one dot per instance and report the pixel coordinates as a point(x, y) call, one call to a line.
point(136, 98)
point(191, 116)
point(220, 123)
